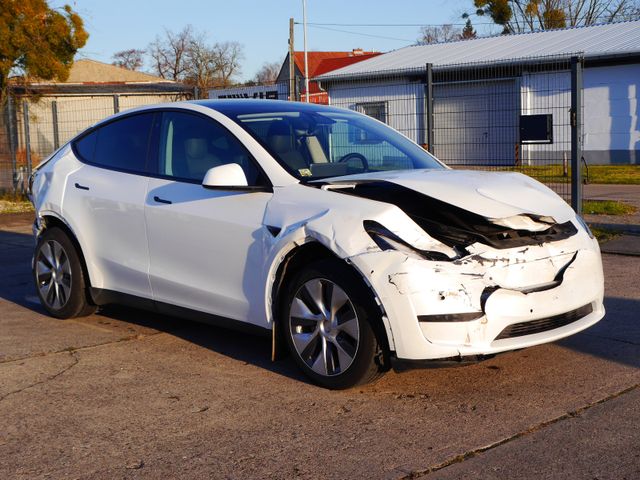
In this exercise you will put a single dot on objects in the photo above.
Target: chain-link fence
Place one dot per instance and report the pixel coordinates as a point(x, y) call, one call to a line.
point(32, 127)
point(512, 115)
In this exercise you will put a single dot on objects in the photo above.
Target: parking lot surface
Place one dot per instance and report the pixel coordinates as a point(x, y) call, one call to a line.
point(130, 394)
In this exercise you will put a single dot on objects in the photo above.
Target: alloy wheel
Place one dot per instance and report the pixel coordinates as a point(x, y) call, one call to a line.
point(323, 325)
point(53, 274)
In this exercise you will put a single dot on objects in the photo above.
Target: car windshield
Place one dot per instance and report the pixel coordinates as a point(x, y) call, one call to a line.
point(320, 142)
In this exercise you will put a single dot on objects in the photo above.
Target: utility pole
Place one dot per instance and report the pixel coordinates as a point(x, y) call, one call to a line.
point(576, 134)
point(292, 64)
point(306, 63)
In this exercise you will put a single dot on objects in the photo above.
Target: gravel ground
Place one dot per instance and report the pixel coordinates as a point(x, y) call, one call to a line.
point(128, 394)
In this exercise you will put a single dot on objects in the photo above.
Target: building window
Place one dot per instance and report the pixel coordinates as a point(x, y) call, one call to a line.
point(377, 110)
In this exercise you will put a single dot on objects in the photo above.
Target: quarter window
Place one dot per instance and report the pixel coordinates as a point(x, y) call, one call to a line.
point(190, 145)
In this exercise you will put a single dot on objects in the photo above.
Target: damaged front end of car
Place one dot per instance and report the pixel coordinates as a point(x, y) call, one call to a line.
point(496, 284)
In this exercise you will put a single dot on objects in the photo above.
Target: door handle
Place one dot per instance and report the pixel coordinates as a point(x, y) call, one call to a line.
point(161, 200)
point(81, 187)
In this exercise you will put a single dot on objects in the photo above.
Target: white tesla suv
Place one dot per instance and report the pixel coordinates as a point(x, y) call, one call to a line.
point(328, 230)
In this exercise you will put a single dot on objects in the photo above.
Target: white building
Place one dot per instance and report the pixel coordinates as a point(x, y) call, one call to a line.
point(486, 90)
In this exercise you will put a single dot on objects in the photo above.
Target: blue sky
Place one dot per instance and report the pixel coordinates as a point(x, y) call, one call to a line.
point(261, 26)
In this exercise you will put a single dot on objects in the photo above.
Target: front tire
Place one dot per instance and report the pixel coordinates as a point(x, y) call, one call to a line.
point(59, 276)
point(332, 326)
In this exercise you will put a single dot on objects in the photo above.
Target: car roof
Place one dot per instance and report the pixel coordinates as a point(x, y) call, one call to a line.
point(248, 106)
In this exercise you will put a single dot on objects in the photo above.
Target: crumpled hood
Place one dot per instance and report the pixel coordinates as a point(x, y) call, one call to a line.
point(493, 195)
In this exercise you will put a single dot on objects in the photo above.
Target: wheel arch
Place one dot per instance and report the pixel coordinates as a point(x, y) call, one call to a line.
point(291, 263)
point(47, 221)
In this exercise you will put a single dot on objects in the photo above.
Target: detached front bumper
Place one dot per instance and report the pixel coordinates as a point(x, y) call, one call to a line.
point(510, 300)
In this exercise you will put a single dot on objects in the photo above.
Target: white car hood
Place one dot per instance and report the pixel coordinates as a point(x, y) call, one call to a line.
point(493, 195)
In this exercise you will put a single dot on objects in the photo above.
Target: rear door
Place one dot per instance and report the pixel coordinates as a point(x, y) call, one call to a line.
point(104, 203)
point(206, 247)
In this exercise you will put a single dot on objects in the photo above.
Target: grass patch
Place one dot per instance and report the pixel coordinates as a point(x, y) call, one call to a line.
point(615, 174)
point(603, 235)
point(14, 203)
point(603, 174)
point(607, 207)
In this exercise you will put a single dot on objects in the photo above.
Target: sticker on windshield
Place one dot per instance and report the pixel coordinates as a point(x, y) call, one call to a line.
point(305, 172)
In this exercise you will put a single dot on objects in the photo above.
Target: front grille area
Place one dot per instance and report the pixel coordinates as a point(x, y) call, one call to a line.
point(545, 324)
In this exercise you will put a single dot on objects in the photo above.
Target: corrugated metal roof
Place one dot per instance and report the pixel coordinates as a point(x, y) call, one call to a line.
point(91, 71)
point(596, 40)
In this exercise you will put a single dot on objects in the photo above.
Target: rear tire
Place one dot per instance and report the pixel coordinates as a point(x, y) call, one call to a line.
point(59, 276)
point(333, 327)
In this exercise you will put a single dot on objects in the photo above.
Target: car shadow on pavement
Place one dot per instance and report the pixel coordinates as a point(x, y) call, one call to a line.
point(616, 337)
point(16, 286)
point(241, 346)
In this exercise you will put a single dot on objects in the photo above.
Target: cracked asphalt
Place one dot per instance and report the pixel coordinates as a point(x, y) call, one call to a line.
point(129, 394)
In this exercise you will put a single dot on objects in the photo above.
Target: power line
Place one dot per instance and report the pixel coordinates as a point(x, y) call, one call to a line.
point(315, 24)
point(358, 33)
point(388, 24)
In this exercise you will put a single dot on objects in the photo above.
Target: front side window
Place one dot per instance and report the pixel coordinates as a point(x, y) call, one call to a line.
point(191, 144)
point(120, 145)
point(326, 142)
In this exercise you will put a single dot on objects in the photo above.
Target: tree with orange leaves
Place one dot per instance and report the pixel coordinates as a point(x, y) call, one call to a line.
point(37, 41)
point(516, 16)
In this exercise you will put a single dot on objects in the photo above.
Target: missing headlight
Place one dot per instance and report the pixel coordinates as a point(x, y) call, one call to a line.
point(455, 226)
point(387, 240)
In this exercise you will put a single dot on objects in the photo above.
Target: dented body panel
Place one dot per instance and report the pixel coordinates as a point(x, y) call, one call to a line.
point(411, 288)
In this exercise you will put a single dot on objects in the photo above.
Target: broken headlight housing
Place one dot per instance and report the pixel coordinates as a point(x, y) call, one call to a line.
point(387, 240)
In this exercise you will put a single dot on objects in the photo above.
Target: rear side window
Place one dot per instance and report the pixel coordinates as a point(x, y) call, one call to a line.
point(120, 145)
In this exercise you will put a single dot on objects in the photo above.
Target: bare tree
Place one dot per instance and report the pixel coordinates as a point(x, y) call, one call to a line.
point(589, 12)
point(169, 53)
point(516, 16)
point(228, 56)
point(444, 33)
point(187, 57)
point(201, 68)
point(268, 73)
point(131, 59)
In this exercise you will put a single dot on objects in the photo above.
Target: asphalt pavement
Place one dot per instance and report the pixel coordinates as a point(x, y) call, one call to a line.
point(629, 224)
point(129, 394)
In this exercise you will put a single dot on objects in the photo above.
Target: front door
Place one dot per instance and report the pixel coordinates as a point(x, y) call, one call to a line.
point(206, 247)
